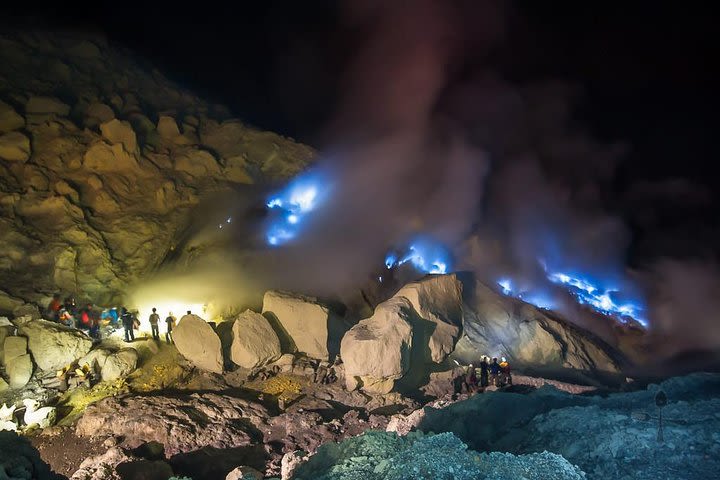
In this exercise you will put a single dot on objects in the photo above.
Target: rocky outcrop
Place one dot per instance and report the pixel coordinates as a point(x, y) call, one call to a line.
point(438, 299)
point(496, 325)
point(196, 340)
point(119, 364)
point(254, 342)
point(118, 464)
point(376, 351)
point(305, 324)
point(96, 187)
point(181, 424)
point(54, 346)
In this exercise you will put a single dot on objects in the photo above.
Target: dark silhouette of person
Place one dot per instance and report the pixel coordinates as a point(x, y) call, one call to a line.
point(154, 324)
point(128, 322)
point(484, 372)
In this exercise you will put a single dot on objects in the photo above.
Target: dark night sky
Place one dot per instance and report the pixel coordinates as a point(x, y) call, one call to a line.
point(646, 69)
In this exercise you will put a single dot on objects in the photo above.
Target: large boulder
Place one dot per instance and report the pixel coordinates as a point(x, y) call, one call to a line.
point(19, 371)
point(305, 324)
point(376, 351)
point(254, 342)
point(119, 364)
point(95, 359)
point(496, 325)
point(14, 347)
point(196, 340)
point(54, 346)
point(438, 299)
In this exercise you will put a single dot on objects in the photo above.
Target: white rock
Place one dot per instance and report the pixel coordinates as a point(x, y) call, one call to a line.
point(244, 473)
point(377, 349)
point(198, 342)
point(254, 342)
point(304, 320)
point(53, 346)
point(119, 364)
point(438, 299)
point(43, 417)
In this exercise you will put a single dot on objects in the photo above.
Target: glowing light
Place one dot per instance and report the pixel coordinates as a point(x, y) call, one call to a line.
point(291, 205)
point(425, 255)
point(390, 260)
point(166, 307)
point(292, 219)
point(506, 285)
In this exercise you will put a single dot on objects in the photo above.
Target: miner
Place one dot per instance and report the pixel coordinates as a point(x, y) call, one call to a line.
point(154, 321)
point(128, 323)
point(170, 321)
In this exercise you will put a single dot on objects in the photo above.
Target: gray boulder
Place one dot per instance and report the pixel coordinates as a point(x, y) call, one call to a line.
point(52, 345)
point(119, 364)
point(196, 340)
point(14, 347)
point(19, 371)
point(254, 342)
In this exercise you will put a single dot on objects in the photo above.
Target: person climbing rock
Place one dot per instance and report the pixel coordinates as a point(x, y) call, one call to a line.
point(494, 372)
point(128, 321)
point(154, 321)
point(471, 381)
point(170, 321)
point(505, 376)
point(484, 372)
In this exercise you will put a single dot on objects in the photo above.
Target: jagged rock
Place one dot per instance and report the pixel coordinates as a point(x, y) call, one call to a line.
point(244, 473)
point(303, 320)
point(19, 460)
point(438, 299)
point(254, 342)
point(290, 462)
point(14, 147)
point(19, 371)
point(117, 464)
point(9, 119)
point(118, 131)
point(196, 163)
point(54, 346)
point(167, 127)
point(181, 423)
point(377, 349)
point(14, 347)
point(119, 364)
point(196, 340)
point(496, 325)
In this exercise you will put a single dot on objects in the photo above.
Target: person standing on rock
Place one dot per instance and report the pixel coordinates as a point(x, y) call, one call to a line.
point(154, 324)
point(170, 321)
point(494, 372)
point(484, 372)
point(128, 324)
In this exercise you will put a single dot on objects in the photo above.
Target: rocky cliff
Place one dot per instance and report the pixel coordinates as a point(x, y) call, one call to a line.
point(101, 163)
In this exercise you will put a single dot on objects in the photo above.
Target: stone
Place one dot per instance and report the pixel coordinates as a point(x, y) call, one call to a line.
point(377, 349)
point(117, 131)
point(254, 342)
point(46, 105)
point(181, 423)
point(3, 385)
point(19, 460)
point(167, 127)
point(14, 147)
point(9, 119)
point(118, 464)
point(98, 113)
point(244, 473)
point(54, 346)
point(95, 359)
point(19, 371)
point(119, 365)
point(303, 320)
point(438, 299)
point(27, 310)
point(101, 157)
point(196, 340)
point(14, 347)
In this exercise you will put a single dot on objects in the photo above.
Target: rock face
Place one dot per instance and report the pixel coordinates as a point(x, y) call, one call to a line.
point(496, 325)
point(119, 364)
point(54, 346)
point(182, 424)
point(196, 340)
point(438, 299)
point(93, 193)
point(305, 322)
point(254, 342)
point(376, 351)
point(19, 371)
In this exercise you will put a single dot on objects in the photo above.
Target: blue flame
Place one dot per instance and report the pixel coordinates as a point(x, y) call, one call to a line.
point(290, 206)
point(539, 299)
point(426, 255)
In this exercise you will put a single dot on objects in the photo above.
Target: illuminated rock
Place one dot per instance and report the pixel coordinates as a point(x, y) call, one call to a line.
point(9, 119)
point(119, 365)
point(376, 351)
point(244, 473)
point(13, 348)
point(167, 127)
point(98, 113)
point(438, 299)
point(95, 359)
point(254, 342)
point(117, 131)
point(196, 340)
point(19, 371)
point(54, 346)
point(15, 147)
point(309, 325)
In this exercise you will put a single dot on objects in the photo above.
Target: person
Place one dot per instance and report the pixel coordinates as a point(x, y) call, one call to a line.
point(471, 382)
point(494, 372)
point(94, 326)
point(54, 308)
point(128, 323)
point(66, 318)
point(505, 376)
point(170, 321)
point(484, 372)
point(154, 320)
point(85, 314)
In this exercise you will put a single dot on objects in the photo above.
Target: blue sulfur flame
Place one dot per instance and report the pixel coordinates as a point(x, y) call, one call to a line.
point(425, 255)
point(290, 206)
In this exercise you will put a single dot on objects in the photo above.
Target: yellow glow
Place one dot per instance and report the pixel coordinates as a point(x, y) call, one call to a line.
point(166, 307)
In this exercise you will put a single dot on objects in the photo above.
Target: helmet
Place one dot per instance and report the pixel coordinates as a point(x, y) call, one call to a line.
point(503, 359)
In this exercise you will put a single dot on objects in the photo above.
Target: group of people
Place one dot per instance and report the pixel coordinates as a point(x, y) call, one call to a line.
point(131, 323)
point(68, 313)
point(491, 373)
